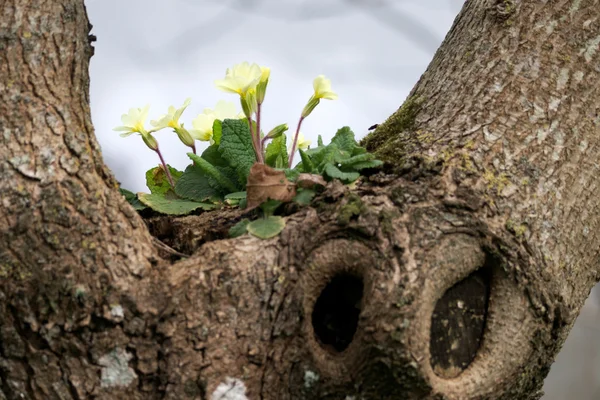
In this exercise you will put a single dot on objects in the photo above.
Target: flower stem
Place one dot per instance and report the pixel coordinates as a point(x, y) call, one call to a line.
point(295, 142)
point(263, 141)
point(194, 150)
point(162, 160)
point(255, 142)
point(261, 149)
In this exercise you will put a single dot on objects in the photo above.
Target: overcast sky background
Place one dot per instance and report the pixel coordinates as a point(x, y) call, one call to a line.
point(160, 52)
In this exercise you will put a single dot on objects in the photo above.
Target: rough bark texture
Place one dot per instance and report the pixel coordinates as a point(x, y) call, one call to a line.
point(455, 273)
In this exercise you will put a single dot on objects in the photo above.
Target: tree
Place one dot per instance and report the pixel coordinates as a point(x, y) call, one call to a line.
point(454, 273)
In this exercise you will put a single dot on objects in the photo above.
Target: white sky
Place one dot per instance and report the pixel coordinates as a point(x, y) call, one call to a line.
point(161, 52)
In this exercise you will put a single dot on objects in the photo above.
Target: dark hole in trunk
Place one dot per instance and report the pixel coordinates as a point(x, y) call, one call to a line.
point(458, 323)
point(335, 316)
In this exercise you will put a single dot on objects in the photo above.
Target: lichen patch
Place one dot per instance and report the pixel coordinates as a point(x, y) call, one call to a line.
point(231, 389)
point(115, 369)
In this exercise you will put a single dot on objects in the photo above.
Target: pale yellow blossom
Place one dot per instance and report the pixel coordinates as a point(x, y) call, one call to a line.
point(203, 123)
point(302, 143)
point(240, 78)
point(134, 121)
point(322, 87)
point(171, 119)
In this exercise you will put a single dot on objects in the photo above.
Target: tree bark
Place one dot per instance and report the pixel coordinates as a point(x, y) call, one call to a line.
point(454, 273)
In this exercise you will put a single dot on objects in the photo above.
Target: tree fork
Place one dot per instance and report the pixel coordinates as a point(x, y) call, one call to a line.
point(454, 273)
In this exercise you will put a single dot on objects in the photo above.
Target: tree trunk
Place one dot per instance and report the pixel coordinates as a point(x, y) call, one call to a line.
point(455, 273)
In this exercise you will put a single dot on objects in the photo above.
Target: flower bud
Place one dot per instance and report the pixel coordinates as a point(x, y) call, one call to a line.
point(261, 88)
point(245, 107)
point(150, 141)
point(277, 131)
point(249, 103)
point(251, 98)
point(310, 106)
point(185, 136)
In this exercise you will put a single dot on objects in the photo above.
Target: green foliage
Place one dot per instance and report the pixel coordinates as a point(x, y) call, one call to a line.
point(270, 206)
point(236, 147)
point(195, 185)
point(334, 172)
point(304, 196)
point(236, 196)
point(342, 159)
point(157, 181)
point(291, 174)
point(266, 228)
point(220, 174)
point(217, 131)
point(171, 206)
point(213, 156)
point(212, 172)
point(307, 164)
point(344, 140)
point(132, 199)
point(239, 229)
point(277, 154)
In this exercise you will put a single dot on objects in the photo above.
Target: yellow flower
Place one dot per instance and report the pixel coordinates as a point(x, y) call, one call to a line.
point(261, 88)
point(303, 143)
point(241, 78)
point(134, 121)
point(171, 120)
point(203, 123)
point(265, 73)
point(322, 88)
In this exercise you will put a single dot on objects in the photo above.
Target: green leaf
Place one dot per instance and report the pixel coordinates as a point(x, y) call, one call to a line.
point(157, 180)
point(217, 131)
point(344, 139)
point(307, 164)
point(236, 147)
point(291, 174)
point(304, 196)
point(358, 150)
point(239, 229)
point(323, 156)
point(232, 176)
point(132, 199)
point(236, 196)
point(266, 228)
point(319, 141)
point(213, 172)
point(213, 156)
point(367, 164)
point(276, 154)
point(268, 207)
point(335, 173)
point(194, 185)
point(163, 205)
point(344, 158)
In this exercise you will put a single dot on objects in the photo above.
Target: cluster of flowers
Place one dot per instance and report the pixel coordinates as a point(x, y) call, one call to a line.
point(250, 83)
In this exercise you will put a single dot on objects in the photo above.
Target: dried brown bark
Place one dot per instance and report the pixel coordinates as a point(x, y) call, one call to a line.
point(456, 273)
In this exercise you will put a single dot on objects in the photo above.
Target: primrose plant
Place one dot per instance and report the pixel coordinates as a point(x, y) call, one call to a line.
point(242, 165)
